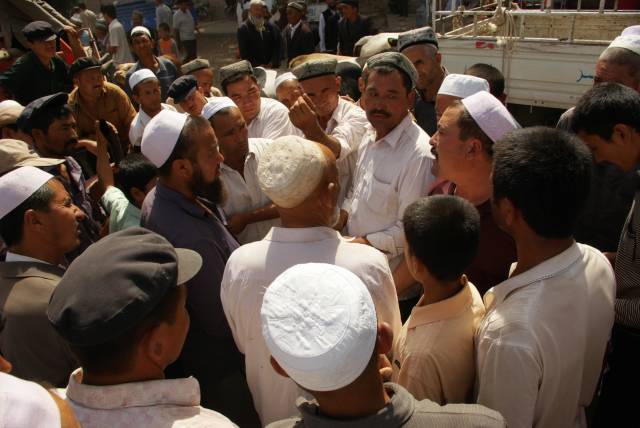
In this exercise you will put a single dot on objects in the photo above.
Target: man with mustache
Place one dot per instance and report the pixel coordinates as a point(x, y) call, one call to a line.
point(183, 207)
point(323, 116)
point(52, 127)
point(395, 161)
point(40, 224)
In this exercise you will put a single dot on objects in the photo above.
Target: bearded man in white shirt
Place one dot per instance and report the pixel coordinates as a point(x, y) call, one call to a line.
point(265, 117)
point(301, 178)
point(395, 160)
point(250, 213)
point(541, 345)
point(326, 118)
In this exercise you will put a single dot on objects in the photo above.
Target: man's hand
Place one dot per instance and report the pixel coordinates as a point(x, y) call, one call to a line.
point(384, 366)
point(103, 167)
point(88, 145)
point(236, 223)
point(303, 115)
point(71, 32)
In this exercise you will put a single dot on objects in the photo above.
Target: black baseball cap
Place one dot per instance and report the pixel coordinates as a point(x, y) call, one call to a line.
point(38, 30)
point(116, 283)
point(38, 107)
point(83, 63)
point(182, 87)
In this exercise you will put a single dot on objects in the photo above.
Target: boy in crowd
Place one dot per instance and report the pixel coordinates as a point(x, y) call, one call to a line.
point(434, 356)
point(167, 46)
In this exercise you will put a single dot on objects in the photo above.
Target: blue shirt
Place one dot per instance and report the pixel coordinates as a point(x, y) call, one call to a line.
point(166, 74)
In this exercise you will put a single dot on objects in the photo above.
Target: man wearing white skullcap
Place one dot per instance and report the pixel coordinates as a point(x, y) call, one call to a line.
point(145, 88)
point(321, 328)
point(250, 213)
point(287, 89)
point(39, 224)
point(183, 207)
point(456, 87)
point(301, 178)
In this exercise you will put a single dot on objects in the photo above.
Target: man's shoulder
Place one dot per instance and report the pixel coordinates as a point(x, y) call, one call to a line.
point(113, 89)
point(274, 106)
point(287, 423)
point(428, 412)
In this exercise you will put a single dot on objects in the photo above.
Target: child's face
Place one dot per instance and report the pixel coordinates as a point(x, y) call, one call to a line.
point(148, 95)
point(164, 34)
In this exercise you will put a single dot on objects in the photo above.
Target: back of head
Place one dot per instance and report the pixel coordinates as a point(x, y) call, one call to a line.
point(491, 75)
point(443, 233)
point(604, 106)
point(546, 174)
point(109, 10)
point(135, 170)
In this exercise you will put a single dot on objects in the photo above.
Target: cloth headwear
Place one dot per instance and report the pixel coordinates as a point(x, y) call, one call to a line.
point(182, 88)
point(634, 30)
point(16, 153)
point(115, 283)
point(231, 70)
point(215, 105)
point(18, 185)
point(296, 5)
point(395, 60)
point(194, 65)
point(9, 112)
point(83, 63)
point(39, 30)
point(490, 114)
point(257, 2)
point(315, 68)
point(631, 43)
point(417, 36)
point(284, 77)
point(161, 135)
point(354, 3)
point(462, 85)
point(136, 31)
point(38, 107)
point(319, 323)
point(290, 169)
point(26, 404)
point(140, 75)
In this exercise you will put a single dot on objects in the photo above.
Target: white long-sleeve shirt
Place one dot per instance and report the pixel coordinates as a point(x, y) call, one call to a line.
point(540, 348)
point(272, 121)
point(391, 173)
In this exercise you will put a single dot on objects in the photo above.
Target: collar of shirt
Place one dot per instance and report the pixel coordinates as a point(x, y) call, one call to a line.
point(251, 154)
point(295, 27)
point(392, 137)
point(302, 234)
point(337, 112)
point(545, 270)
point(396, 413)
point(13, 257)
point(444, 309)
point(172, 392)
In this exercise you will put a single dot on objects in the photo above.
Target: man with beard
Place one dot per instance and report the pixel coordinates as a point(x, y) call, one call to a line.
point(328, 27)
point(249, 211)
point(305, 194)
point(258, 39)
point(184, 148)
point(324, 117)
point(421, 47)
point(52, 127)
point(265, 117)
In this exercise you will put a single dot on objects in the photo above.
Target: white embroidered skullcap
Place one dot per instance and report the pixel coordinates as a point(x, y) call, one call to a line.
point(290, 169)
point(284, 77)
point(462, 85)
point(26, 404)
point(16, 186)
point(216, 104)
point(140, 75)
point(140, 29)
point(631, 42)
point(257, 2)
point(160, 136)
point(490, 114)
point(634, 30)
point(319, 323)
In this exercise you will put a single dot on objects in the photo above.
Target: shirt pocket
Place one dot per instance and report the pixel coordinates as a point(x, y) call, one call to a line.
point(382, 197)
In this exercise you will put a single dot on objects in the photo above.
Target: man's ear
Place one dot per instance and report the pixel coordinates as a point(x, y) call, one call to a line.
point(438, 57)
point(154, 344)
point(474, 147)
point(338, 82)
point(38, 136)
point(137, 195)
point(277, 367)
point(622, 134)
point(32, 220)
point(182, 168)
point(384, 338)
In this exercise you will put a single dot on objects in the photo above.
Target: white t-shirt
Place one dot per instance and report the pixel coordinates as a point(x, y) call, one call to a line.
point(118, 38)
point(184, 23)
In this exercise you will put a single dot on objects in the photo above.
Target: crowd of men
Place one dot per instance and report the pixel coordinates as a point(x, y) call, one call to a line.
point(404, 254)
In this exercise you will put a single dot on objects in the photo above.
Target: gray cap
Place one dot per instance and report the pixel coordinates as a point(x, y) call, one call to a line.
point(315, 68)
point(196, 64)
point(297, 6)
point(231, 70)
point(417, 36)
point(395, 60)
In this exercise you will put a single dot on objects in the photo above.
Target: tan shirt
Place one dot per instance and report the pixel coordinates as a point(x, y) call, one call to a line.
point(433, 356)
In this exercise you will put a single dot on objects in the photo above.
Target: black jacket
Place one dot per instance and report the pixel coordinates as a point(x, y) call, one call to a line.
point(302, 43)
point(349, 33)
point(331, 19)
point(259, 49)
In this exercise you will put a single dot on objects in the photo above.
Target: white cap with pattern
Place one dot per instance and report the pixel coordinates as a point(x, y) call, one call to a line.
point(18, 185)
point(161, 135)
point(462, 85)
point(490, 114)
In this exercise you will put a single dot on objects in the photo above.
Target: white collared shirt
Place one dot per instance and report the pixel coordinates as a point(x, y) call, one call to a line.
point(153, 403)
point(13, 257)
point(391, 173)
point(348, 125)
point(245, 194)
point(252, 268)
point(118, 39)
point(272, 121)
point(541, 345)
point(139, 122)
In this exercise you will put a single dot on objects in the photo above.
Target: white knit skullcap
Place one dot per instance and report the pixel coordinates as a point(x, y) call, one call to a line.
point(18, 185)
point(319, 323)
point(634, 30)
point(490, 114)
point(26, 404)
point(161, 135)
point(631, 42)
point(290, 169)
point(216, 104)
point(141, 75)
point(462, 85)
point(284, 77)
point(140, 29)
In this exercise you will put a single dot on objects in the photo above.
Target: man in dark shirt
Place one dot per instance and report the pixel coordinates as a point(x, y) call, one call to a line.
point(183, 208)
point(40, 71)
point(352, 27)
point(298, 36)
point(258, 39)
point(328, 27)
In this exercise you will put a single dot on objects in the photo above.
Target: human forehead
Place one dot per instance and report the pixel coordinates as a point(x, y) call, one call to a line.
point(241, 86)
point(315, 83)
point(392, 80)
point(420, 51)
